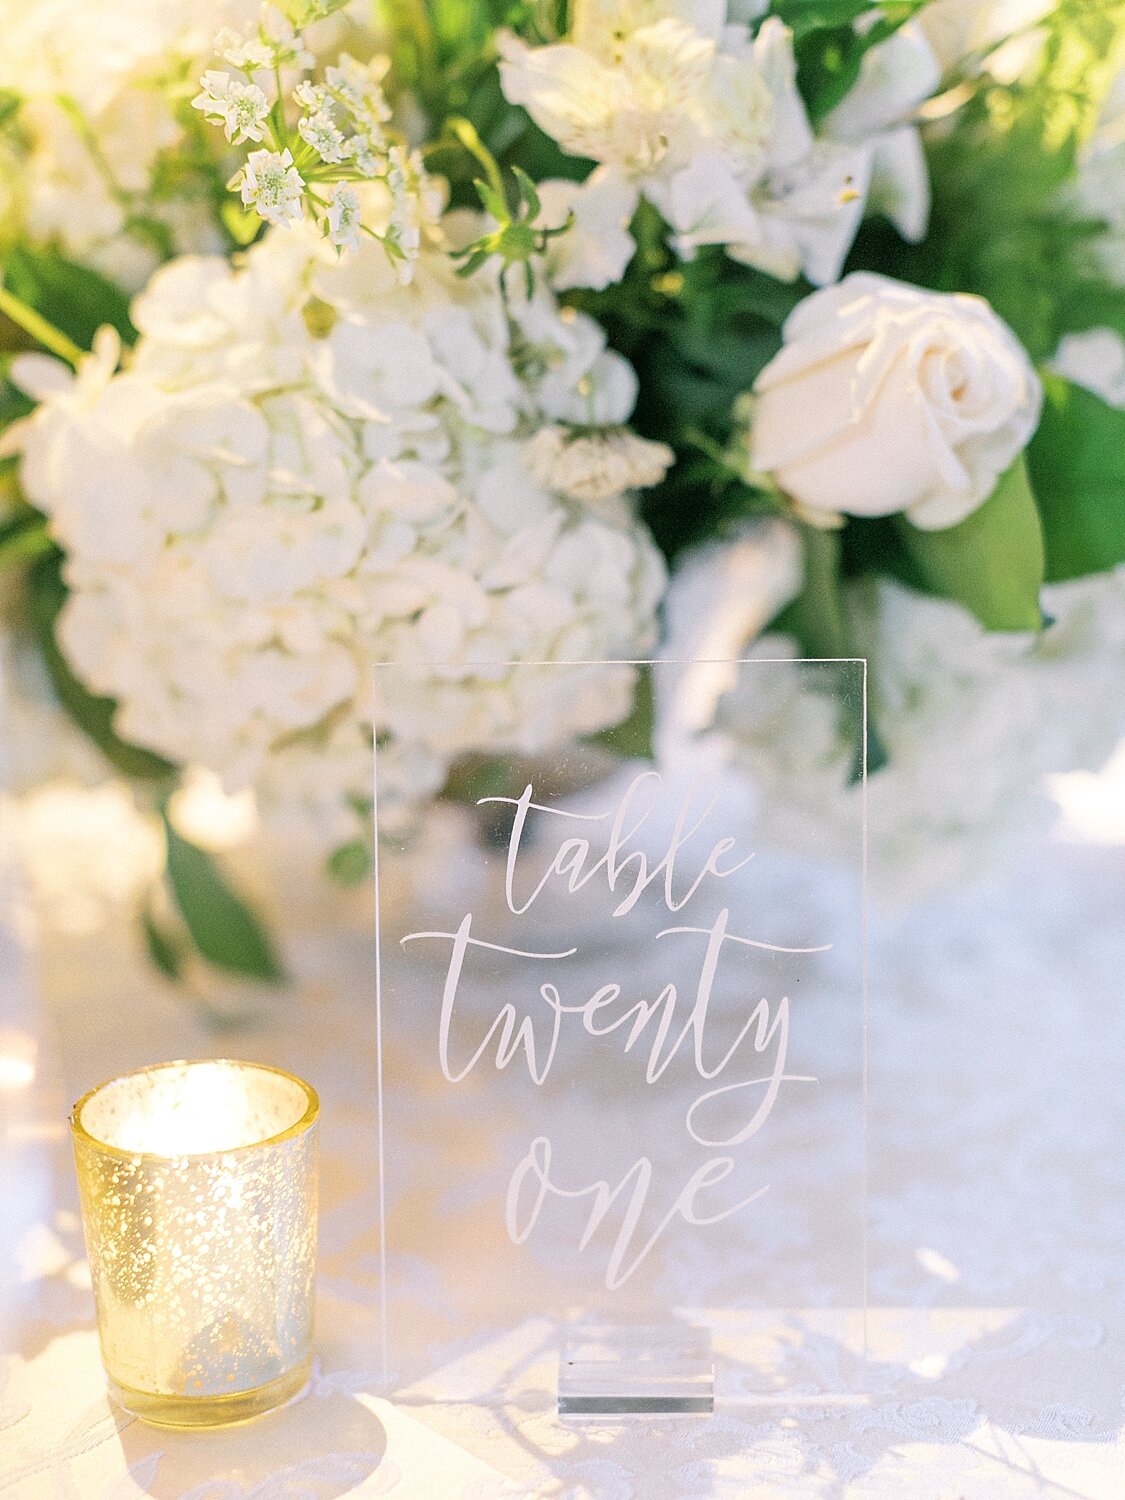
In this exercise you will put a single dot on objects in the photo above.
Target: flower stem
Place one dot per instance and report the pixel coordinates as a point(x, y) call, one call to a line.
point(37, 326)
point(466, 133)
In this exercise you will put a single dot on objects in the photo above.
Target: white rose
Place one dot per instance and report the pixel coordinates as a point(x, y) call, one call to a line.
point(888, 398)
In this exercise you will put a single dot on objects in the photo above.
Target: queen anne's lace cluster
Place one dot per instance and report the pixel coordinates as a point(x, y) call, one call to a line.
point(83, 160)
point(306, 469)
point(341, 136)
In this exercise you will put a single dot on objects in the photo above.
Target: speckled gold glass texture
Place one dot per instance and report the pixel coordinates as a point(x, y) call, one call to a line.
point(198, 1190)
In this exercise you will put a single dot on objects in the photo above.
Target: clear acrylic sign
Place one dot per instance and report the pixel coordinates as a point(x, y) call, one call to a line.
point(621, 1059)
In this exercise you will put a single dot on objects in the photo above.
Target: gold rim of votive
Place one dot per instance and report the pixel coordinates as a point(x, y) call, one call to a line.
point(308, 1119)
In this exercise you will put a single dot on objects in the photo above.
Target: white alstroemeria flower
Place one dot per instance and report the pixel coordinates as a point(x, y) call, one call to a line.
point(598, 466)
point(239, 107)
point(707, 205)
point(343, 216)
point(703, 119)
point(272, 185)
point(887, 398)
point(895, 77)
point(631, 109)
point(739, 105)
point(597, 247)
point(598, 25)
point(808, 195)
point(809, 214)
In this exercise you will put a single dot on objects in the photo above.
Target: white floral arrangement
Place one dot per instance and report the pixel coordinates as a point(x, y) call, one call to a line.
point(343, 333)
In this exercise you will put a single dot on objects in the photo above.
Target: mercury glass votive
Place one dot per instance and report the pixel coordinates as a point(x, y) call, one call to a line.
point(198, 1189)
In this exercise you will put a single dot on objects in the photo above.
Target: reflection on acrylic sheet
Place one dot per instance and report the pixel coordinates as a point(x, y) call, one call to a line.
point(605, 1087)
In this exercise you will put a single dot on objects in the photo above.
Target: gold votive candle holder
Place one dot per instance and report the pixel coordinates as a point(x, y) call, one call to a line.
point(198, 1189)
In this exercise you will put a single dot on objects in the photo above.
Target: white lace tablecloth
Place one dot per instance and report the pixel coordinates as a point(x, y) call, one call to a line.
point(997, 1286)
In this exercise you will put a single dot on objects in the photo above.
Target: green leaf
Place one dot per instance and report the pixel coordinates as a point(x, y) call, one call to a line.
point(828, 64)
point(74, 298)
point(93, 715)
point(632, 738)
point(164, 947)
point(22, 537)
point(805, 16)
point(492, 201)
point(242, 224)
point(10, 103)
point(14, 403)
point(735, 360)
point(351, 863)
point(222, 926)
point(992, 562)
point(474, 263)
point(1077, 464)
point(528, 194)
point(752, 292)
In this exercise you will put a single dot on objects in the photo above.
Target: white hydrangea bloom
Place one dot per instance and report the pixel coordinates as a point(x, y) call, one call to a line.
point(307, 469)
point(975, 723)
point(680, 102)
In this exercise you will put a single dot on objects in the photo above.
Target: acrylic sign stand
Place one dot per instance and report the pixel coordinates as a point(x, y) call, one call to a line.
point(621, 1032)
